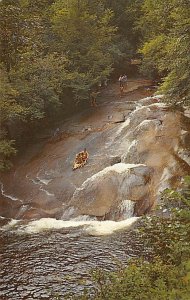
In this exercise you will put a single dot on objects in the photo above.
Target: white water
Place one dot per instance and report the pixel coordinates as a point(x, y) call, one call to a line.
point(123, 126)
point(46, 192)
point(95, 228)
point(126, 209)
point(11, 197)
point(41, 182)
point(10, 225)
point(21, 211)
point(44, 181)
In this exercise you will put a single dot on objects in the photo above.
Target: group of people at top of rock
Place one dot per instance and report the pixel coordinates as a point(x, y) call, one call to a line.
point(94, 94)
point(122, 80)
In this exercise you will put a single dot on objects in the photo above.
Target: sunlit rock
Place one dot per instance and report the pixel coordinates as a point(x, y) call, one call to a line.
point(104, 191)
point(150, 100)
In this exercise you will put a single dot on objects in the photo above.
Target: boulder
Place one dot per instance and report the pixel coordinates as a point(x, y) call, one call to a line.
point(150, 100)
point(105, 191)
point(132, 155)
point(147, 125)
point(150, 112)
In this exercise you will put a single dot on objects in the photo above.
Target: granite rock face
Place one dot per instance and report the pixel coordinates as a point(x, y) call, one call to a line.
point(104, 192)
point(149, 144)
point(129, 164)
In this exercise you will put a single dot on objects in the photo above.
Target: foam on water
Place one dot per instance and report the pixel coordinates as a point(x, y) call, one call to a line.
point(46, 192)
point(21, 211)
point(92, 227)
point(11, 197)
point(43, 180)
point(10, 225)
point(124, 125)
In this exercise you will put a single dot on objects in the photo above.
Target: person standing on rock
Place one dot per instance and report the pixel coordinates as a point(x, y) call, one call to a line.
point(106, 82)
point(121, 91)
point(124, 79)
point(56, 135)
point(120, 81)
point(93, 98)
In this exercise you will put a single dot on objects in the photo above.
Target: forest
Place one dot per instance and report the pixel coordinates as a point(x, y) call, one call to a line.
point(53, 53)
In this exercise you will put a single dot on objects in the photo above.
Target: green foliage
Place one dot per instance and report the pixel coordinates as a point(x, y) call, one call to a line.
point(6, 150)
point(9, 108)
point(40, 85)
point(169, 235)
point(165, 27)
point(10, 30)
point(142, 281)
point(9, 111)
point(86, 39)
point(126, 14)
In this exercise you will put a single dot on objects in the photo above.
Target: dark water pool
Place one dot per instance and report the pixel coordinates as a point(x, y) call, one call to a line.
point(52, 263)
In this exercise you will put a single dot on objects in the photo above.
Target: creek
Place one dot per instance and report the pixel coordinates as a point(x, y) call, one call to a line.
point(58, 224)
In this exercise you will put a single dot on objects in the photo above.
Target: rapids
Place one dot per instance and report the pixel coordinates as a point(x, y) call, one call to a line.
point(57, 224)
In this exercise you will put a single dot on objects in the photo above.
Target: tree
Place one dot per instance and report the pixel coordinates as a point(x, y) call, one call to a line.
point(11, 33)
point(9, 111)
point(29, 85)
point(165, 27)
point(85, 38)
point(126, 15)
point(56, 51)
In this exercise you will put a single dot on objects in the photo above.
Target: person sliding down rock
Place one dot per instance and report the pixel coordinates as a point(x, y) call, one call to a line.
point(80, 159)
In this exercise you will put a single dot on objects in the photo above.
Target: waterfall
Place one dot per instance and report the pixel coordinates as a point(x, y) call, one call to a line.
point(126, 209)
point(11, 197)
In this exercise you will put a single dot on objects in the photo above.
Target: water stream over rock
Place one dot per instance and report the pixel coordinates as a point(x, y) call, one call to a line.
point(56, 223)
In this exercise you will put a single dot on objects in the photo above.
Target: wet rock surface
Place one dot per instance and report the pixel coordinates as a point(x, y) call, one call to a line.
point(104, 191)
point(126, 130)
point(47, 258)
